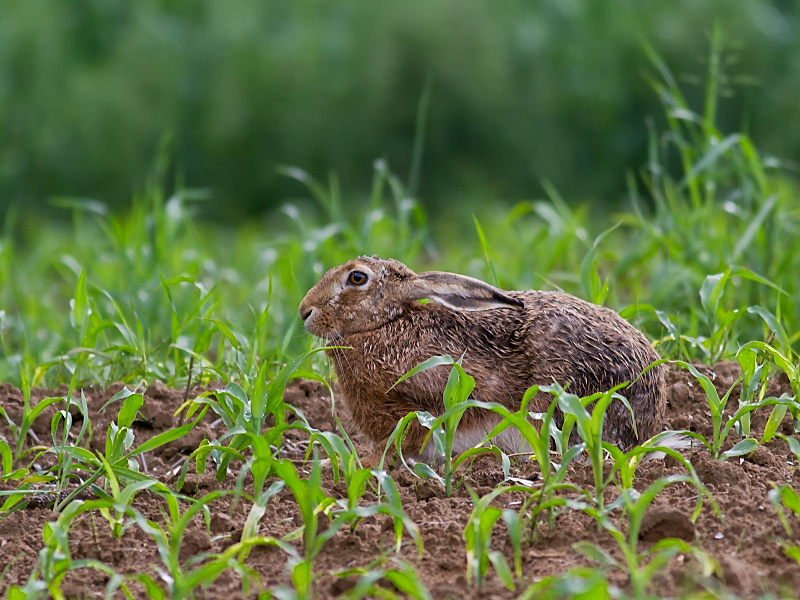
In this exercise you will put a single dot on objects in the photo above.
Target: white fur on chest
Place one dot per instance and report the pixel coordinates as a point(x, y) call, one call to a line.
point(509, 441)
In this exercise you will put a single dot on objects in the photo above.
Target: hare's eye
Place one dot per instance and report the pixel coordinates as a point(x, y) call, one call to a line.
point(357, 278)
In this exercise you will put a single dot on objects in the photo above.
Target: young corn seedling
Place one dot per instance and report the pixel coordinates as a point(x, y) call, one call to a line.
point(232, 559)
point(7, 470)
point(260, 465)
point(392, 505)
point(590, 428)
point(245, 416)
point(437, 432)
point(343, 458)
point(456, 393)
point(64, 450)
point(311, 501)
point(717, 407)
point(120, 500)
point(718, 319)
point(29, 415)
point(120, 463)
point(581, 582)
point(785, 498)
point(783, 360)
point(484, 517)
point(402, 576)
point(456, 399)
point(180, 580)
point(538, 440)
point(442, 429)
point(55, 559)
point(640, 566)
point(754, 387)
point(119, 436)
point(263, 463)
point(478, 539)
point(625, 464)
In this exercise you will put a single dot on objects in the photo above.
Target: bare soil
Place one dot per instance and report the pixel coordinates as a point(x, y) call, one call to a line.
point(745, 540)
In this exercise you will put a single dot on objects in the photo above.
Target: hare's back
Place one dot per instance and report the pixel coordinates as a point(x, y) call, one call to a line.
point(574, 333)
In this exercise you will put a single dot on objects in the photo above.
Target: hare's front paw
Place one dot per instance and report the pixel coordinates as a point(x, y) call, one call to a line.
point(373, 459)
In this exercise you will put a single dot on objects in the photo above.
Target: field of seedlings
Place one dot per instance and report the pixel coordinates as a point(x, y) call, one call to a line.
point(168, 429)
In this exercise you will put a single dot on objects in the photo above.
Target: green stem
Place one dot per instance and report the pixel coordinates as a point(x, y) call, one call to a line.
point(717, 422)
point(448, 475)
point(598, 478)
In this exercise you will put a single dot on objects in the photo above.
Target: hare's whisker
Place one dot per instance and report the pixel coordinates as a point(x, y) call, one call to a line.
point(341, 353)
point(344, 343)
point(330, 342)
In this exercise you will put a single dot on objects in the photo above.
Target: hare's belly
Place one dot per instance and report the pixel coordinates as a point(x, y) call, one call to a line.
point(509, 441)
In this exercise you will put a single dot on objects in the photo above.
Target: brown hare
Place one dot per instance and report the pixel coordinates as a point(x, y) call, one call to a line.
point(510, 341)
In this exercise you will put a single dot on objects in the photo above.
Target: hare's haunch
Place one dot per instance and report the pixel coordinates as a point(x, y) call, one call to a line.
point(510, 341)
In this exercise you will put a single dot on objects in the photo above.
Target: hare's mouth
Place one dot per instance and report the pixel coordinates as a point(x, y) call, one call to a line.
point(332, 334)
point(368, 329)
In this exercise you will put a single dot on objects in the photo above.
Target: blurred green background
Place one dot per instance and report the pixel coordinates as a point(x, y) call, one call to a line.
point(518, 92)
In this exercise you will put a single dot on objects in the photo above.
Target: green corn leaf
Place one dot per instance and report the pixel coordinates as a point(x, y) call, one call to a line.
point(6, 458)
point(745, 446)
point(773, 324)
point(434, 361)
point(485, 248)
point(515, 535)
point(714, 402)
point(426, 472)
point(120, 395)
point(710, 292)
point(774, 421)
point(501, 568)
point(130, 408)
point(791, 500)
point(408, 582)
point(167, 436)
point(794, 444)
point(596, 553)
point(775, 496)
point(80, 303)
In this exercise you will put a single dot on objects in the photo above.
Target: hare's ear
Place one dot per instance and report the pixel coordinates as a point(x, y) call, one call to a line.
point(458, 292)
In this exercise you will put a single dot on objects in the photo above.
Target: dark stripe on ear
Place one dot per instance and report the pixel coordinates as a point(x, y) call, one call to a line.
point(462, 302)
point(516, 302)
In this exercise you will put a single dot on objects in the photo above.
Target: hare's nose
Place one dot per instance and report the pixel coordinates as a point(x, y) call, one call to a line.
point(306, 309)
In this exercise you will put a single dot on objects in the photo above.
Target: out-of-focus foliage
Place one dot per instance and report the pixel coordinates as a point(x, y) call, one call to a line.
point(519, 92)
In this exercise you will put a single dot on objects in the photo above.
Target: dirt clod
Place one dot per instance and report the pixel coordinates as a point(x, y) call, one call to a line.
point(659, 524)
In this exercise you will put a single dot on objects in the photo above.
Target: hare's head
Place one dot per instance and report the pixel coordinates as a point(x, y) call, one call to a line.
point(367, 293)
